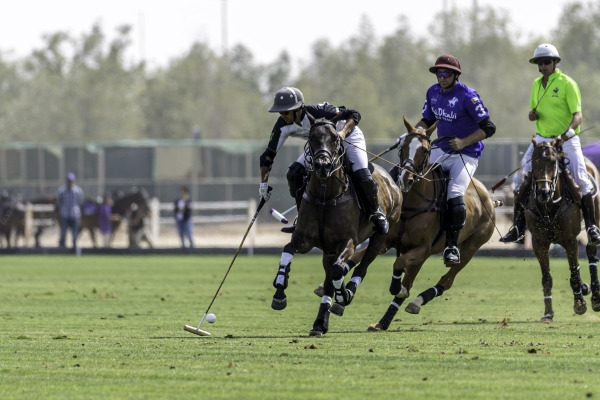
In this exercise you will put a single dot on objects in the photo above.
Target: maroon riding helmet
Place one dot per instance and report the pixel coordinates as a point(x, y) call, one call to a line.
point(447, 61)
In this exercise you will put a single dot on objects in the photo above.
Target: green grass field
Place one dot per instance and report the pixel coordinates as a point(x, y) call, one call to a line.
point(111, 327)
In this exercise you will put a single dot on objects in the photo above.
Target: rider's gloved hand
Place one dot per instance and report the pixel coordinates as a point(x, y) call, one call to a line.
point(263, 191)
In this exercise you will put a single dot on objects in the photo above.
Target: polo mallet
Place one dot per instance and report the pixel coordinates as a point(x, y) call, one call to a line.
point(501, 181)
point(392, 147)
point(196, 329)
point(281, 216)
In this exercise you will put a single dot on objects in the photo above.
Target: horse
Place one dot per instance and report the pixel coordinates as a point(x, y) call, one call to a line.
point(552, 216)
point(89, 212)
point(329, 218)
point(422, 232)
point(12, 219)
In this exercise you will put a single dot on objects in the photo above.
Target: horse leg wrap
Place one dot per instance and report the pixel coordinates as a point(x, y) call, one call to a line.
point(432, 293)
point(339, 271)
point(396, 285)
point(281, 280)
point(389, 315)
point(575, 281)
point(594, 277)
point(341, 296)
point(321, 324)
point(595, 287)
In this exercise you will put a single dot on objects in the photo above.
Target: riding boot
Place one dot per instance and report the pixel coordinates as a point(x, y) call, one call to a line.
point(296, 179)
point(367, 192)
point(587, 209)
point(455, 221)
point(516, 233)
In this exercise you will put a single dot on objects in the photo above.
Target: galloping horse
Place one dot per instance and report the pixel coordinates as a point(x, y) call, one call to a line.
point(330, 219)
point(421, 232)
point(553, 217)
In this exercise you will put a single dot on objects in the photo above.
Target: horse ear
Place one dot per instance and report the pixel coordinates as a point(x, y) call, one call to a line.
point(534, 142)
point(432, 128)
point(409, 127)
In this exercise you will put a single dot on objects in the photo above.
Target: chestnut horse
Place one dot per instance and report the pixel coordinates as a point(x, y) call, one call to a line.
point(330, 219)
point(422, 231)
point(553, 216)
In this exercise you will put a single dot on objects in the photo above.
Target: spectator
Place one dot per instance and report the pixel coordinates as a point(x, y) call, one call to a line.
point(183, 216)
point(138, 227)
point(106, 219)
point(68, 202)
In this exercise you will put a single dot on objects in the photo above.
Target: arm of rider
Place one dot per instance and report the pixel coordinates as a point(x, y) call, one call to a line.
point(575, 122)
point(266, 162)
point(350, 124)
point(458, 144)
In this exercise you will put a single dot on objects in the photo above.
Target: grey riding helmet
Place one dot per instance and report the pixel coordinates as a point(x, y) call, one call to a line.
point(287, 99)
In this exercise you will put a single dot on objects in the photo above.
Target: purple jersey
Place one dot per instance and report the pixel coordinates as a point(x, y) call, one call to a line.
point(458, 111)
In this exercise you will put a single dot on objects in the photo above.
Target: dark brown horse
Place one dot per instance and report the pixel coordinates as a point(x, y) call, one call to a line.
point(553, 216)
point(421, 232)
point(12, 220)
point(330, 219)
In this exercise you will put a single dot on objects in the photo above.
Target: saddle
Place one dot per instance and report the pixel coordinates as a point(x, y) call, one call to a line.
point(436, 204)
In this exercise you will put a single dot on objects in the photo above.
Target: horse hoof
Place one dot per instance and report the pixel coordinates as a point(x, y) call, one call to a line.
point(414, 307)
point(337, 309)
point(403, 293)
point(279, 304)
point(374, 328)
point(547, 319)
point(580, 307)
point(595, 303)
point(315, 332)
point(320, 290)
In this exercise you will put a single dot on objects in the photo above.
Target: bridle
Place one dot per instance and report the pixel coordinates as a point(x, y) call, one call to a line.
point(546, 185)
point(323, 158)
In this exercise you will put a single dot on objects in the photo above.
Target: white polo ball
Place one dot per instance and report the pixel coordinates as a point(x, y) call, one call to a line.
point(211, 318)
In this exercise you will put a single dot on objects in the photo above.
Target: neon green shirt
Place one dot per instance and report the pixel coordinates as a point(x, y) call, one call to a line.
point(555, 104)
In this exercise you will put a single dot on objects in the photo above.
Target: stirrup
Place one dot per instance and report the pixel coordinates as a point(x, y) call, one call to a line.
point(593, 235)
point(451, 255)
point(290, 229)
point(514, 236)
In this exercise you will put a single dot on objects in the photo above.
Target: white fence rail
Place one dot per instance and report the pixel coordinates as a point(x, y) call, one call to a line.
point(236, 211)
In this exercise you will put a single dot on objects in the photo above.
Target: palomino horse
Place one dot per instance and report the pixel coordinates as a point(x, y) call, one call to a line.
point(553, 217)
point(422, 231)
point(330, 219)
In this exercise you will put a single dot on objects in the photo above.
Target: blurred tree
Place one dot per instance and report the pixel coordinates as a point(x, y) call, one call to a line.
point(85, 89)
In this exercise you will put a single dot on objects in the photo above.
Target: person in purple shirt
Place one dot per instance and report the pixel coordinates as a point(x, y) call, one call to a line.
point(105, 219)
point(464, 122)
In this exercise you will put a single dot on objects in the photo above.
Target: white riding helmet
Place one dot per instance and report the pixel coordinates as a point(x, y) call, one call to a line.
point(545, 50)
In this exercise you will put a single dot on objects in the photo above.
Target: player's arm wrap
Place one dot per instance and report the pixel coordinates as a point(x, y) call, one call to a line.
point(266, 158)
point(488, 127)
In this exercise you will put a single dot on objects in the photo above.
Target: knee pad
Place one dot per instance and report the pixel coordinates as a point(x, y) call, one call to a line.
point(457, 212)
point(295, 177)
